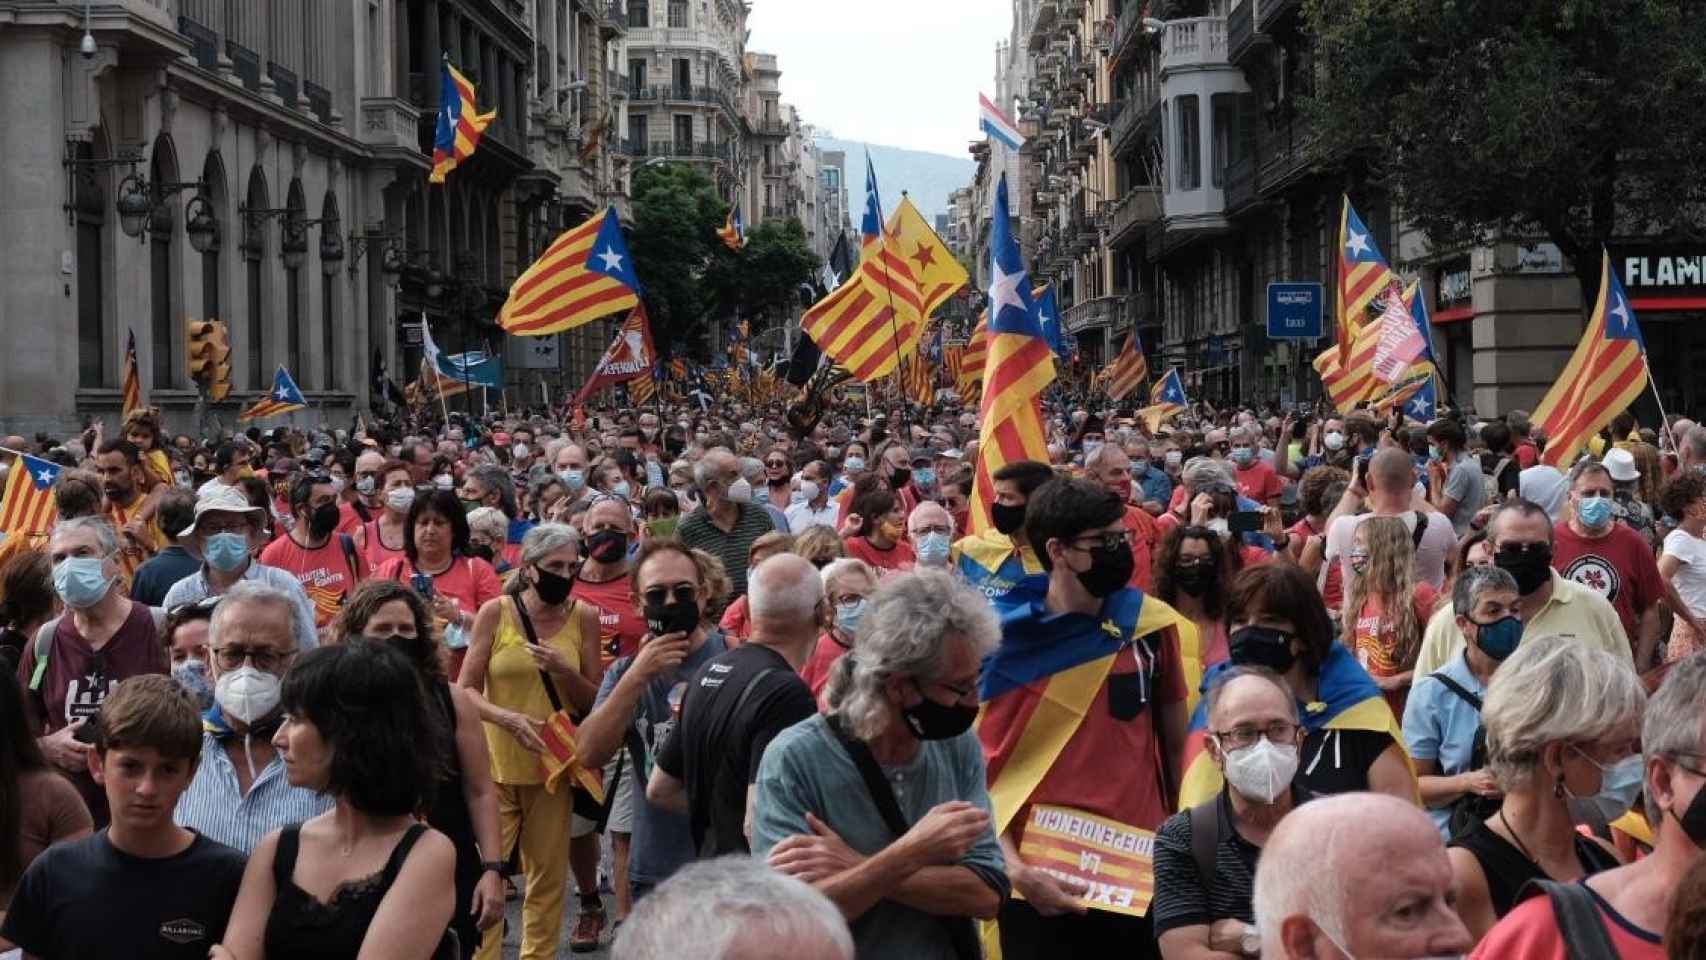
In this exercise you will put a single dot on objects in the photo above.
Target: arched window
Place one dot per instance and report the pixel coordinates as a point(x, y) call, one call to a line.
point(254, 248)
point(329, 297)
point(213, 174)
point(297, 203)
point(91, 213)
point(162, 168)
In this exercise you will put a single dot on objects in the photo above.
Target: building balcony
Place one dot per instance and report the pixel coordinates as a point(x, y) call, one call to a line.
point(1285, 154)
point(769, 127)
point(614, 23)
point(1093, 314)
point(1240, 184)
point(1139, 113)
point(775, 213)
point(1043, 25)
point(1273, 14)
point(617, 84)
point(1242, 37)
point(1128, 34)
point(1131, 213)
point(678, 151)
point(1193, 42)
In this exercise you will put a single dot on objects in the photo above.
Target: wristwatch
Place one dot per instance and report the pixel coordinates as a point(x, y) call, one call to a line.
point(499, 867)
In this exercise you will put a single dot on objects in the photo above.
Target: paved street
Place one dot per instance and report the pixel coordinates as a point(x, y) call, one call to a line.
point(512, 933)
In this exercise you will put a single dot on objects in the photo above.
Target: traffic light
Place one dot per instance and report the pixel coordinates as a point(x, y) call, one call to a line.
point(210, 356)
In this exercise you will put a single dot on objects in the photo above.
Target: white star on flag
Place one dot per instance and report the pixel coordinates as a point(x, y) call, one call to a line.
point(612, 259)
point(1621, 312)
point(1004, 291)
point(46, 477)
point(1357, 243)
point(282, 394)
point(1419, 405)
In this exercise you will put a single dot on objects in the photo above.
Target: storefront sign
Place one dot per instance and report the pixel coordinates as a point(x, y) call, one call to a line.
point(1661, 272)
point(1455, 287)
point(409, 332)
point(1115, 861)
point(1295, 310)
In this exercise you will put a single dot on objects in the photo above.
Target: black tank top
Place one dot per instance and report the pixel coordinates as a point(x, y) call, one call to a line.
point(301, 926)
point(1507, 868)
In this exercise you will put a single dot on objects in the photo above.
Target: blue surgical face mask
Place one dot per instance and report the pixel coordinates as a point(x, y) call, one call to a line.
point(1619, 783)
point(853, 464)
point(226, 552)
point(1139, 468)
point(1243, 456)
point(1595, 512)
point(81, 581)
point(932, 549)
point(621, 489)
point(573, 479)
point(848, 615)
point(924, 477)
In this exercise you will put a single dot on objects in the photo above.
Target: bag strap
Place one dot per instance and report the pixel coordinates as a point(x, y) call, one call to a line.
point(1579, 922)
point(1421, 528)
point(635, 755)
point(533, 638)
point(44, 650)
point(1457, 688)
point(1205, 840)
point(700, 818)
point(348, 543)
point(878, 785)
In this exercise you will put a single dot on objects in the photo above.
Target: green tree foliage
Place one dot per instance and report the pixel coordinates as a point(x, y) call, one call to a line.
point(676, 216)
point(764, 276)
point(1576, 119)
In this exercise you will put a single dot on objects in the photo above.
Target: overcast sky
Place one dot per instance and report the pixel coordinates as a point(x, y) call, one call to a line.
point(903, 73)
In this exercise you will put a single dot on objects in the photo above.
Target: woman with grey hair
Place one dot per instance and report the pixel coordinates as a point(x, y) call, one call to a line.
point(487, 530)
point(901, 707)
point(1563, 724)
point(731, 908)
point(848, 583)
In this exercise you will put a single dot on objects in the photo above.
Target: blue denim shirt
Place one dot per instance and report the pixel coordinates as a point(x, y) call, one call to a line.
point(1440, 726)
point(1155, 486)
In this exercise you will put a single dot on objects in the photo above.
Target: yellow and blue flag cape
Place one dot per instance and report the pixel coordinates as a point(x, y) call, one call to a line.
point(1347, 700)
point(992, 563)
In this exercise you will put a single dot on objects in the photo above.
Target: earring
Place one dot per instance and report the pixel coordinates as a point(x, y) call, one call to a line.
point(1558, 788)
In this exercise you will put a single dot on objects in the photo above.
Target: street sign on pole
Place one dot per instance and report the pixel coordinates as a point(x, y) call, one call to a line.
point(1295, 311)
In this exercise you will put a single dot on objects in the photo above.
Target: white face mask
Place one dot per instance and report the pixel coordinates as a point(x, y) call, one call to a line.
point(1333, 441)
point(246, 693)
point(740, 491)
point(444, 481)
point(401, 499)
point(1263, 770)
point(808, 491)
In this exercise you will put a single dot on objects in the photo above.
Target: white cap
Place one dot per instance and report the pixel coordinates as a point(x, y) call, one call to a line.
point(1620, 463)
point(221, 499)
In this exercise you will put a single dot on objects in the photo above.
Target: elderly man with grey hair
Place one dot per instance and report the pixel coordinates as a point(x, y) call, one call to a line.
point(731, 908)
point(727, 521)
point(1357, 875)
point(240, 791)
point(898, 860)
point(225, 534)
point(737, 703)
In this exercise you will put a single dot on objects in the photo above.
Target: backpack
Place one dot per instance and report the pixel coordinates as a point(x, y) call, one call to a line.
point(1490, 481)
point(44, 644)
point(1470, 808)
point(1576, 912)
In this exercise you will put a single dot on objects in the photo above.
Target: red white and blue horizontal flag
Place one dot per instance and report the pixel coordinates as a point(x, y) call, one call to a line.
point(997, 124)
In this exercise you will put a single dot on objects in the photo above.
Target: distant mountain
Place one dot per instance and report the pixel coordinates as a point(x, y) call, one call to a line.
point(927, 178)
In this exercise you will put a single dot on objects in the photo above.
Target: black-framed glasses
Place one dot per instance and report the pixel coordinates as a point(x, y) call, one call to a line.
point(959, 692)
point(1107, 540)
point(231, 658)
point(1246, 734)
point(680, 593)
point(777, 463)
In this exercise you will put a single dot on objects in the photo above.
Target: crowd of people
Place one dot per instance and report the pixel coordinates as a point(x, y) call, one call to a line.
point(746, 685)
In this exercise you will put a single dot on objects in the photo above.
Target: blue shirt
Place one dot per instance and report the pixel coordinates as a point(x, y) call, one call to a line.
point(1440, 726)
point(194, 587)
point(662, 841)
point(1156, 486)
point(517, 529)
point(159, 573)
point(807, 770)
point(213, 806)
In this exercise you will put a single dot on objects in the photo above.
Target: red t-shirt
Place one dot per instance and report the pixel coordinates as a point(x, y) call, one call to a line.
point(374, 551)
point(1080, 776)
point(1375, 645)
point(1144, 537)
point(1531, 932)
point(620, 625)
point(1618, 566)
point(348, 520)
point(470, 581)
point(818, 666)
point(897, 557)
point(1259, 482)
point(1527, 454)
point(323, 571)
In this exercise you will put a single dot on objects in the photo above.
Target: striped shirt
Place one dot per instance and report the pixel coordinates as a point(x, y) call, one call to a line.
point(213, 807)
point(731, 547)
point(194, 587)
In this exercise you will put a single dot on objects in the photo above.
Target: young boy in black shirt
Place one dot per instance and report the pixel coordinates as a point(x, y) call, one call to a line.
point(143, 887)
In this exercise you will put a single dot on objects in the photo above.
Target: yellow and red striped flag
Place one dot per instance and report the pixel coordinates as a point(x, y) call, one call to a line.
point(27, 507)
point(133, 400)
point(733, 231)
point(1363, 274)
point(585, 274)
point(1019, 367)
point(1348, 384)
point(1605, 374)
point(938, 274)
point(284, 398)
point(1127, 371)
point(459, 124)
point(972, 363)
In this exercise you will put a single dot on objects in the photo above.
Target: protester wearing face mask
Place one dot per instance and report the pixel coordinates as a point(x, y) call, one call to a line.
point(1442, 719)
point(894, 469)
point(487, 530)
point(1276, 619)
point(736, 621)
point(1200, 905)
point(848, 584)
point(1563, 726)
point(174, 562)
point(904, 702)
point(925, 479)
point(1080, 612)
point(570, 465)
point(225, 533)
point(381, 539)
point(1682, 561)
point(809, 501)
point(185, 636)
point(535, 651)
point(489, 486)
point(1152, 488)
point(875, 529)
point(323, 561)
point(73, 661)
point(853, 463)
point(1108, 467)
point(997, 559)
point(727, 522)
point(437, 564)
point(240, 791)
point(1192, 573)
point(1631, 902)
point(1521, 537)
point(930, 531)
point(1256, 479)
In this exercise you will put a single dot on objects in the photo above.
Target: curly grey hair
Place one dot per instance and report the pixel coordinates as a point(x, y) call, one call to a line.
point(1555, 690)
point(105, 536)
point(902, 635)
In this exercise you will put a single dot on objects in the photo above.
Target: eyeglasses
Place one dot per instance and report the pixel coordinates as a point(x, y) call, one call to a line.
point(680, 593)
point(211, 527)
point(1102, 541)
point(936, 528)
point(776, 463)
point(1246, 734)
point(268, 661)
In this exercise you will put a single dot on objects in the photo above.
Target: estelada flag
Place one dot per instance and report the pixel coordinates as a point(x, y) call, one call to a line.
point(27, 507)
point(132, 379)
point(1605, 374)
point(629, 357)
point(585, 273)
point(1346, 699)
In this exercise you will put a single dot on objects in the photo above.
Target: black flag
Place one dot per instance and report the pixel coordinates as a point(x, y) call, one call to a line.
point(804, 362)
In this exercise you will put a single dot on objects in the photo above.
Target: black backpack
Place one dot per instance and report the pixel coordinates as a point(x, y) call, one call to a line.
point(1470, 808)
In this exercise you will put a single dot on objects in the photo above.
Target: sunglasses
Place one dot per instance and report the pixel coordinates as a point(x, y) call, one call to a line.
point(681, 593)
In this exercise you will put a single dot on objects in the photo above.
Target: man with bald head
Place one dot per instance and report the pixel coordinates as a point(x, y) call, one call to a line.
point(1356, 875)
point(1108, 467)
point(570, 465)
point(738, 702)
point(1386, 483)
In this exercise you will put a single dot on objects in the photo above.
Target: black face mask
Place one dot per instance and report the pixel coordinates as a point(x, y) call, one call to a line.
point(1192, 580)
point(1007, 519)
point(1693, 819)
point(676, 616)
point(1110, 569)
point(552, 588)
point(481, 550)
point(324, 521)
point(1262, 647)
point(929, 720)
point(607, 546)
point(1531, 565)
point(900, 477)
